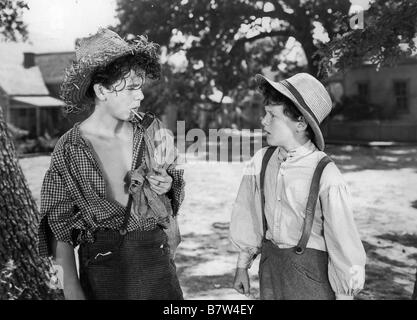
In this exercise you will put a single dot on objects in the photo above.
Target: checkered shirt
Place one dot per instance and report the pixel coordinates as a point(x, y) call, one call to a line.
point(73, 194)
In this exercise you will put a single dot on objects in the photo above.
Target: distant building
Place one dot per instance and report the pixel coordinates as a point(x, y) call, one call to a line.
point(26, 101)
point(394, 89)
point(52, 66)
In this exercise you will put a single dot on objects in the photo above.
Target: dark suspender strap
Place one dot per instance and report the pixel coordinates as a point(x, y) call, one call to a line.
point(311, 205)
point(265, 160)
point(123, 229)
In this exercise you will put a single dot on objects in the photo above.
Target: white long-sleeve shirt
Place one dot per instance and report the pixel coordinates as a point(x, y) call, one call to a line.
point(287, 182)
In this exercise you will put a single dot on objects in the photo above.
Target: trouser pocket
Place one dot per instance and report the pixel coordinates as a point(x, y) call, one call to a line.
point(100, 261)
point(311, 265)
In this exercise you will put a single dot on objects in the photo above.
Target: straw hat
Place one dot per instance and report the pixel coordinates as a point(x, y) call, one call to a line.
point(91, 53)
point(308, 95)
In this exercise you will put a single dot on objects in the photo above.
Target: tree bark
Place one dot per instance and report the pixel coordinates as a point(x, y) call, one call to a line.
point(23, 274)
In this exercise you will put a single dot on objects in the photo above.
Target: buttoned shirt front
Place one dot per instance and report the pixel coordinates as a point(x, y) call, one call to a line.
point(287, 181)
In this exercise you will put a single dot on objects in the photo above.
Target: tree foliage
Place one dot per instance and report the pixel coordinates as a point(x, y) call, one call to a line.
point(388, 35)
point(12, 26)
point(227, 42)
point(218, 30)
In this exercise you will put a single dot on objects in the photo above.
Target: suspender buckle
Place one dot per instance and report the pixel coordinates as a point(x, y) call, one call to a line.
point(299, 250)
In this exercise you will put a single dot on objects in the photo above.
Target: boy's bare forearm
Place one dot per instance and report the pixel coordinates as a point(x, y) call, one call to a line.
point(64, 258)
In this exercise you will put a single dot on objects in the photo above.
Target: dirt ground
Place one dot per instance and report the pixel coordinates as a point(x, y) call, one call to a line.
point(382, 182)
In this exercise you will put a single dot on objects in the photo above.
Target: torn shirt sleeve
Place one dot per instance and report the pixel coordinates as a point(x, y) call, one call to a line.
point(57, 212)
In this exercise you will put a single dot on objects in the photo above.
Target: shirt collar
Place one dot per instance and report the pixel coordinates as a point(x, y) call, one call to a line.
point(300, 151)
point(75, 137)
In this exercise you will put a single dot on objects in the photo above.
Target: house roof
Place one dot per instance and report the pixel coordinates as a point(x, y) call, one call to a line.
point(52, 65)
point(16, 80)
point(12, 52)
point(39, 101)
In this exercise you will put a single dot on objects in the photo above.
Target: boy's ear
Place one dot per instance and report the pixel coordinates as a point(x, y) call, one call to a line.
point(302, 123)
point(99, 91)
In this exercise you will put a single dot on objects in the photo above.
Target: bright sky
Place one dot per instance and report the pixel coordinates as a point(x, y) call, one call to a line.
point(55, 24)
point(364, 4)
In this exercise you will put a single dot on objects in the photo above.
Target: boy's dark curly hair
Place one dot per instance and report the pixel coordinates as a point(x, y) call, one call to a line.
point(143, 60)
point(118, 70)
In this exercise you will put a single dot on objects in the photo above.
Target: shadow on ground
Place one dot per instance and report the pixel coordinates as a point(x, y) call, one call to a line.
point(206, 264)
point(406, 239)
point(385, 277)
point(357, 158)
point(347, 157)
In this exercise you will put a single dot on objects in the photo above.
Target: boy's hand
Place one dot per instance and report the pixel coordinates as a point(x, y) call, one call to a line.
point(241, 282)
point(161, 182)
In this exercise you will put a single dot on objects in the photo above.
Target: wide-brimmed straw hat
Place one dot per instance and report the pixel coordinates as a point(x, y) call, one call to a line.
point(91, 53)
point(309, 96)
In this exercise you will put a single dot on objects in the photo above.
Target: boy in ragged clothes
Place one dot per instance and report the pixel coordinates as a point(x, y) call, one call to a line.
point(91, 195)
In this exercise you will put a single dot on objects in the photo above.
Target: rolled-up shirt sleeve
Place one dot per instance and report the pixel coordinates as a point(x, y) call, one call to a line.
point(246, 223)
point(57, 211)
point(347, 256)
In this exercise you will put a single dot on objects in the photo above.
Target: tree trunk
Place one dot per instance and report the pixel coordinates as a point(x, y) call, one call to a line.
point(304, 35)
point(312, 60)
point(23, 274)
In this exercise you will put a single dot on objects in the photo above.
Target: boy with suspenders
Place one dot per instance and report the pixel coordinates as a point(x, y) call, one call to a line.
point(293, 206)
